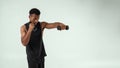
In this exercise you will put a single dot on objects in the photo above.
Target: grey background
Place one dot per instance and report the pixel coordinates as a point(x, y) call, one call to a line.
point(93, 40)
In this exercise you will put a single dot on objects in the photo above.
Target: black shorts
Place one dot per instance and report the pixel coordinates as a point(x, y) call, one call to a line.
point(36, 65)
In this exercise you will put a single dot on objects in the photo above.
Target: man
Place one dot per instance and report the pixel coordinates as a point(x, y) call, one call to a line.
point(31, 37)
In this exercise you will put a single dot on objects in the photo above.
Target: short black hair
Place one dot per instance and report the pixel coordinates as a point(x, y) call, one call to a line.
point(35, 11)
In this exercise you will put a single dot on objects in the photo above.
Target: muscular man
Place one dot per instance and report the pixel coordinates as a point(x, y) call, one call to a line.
point(31, 38)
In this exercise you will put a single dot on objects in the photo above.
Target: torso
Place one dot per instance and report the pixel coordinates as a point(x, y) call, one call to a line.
point(35, 48)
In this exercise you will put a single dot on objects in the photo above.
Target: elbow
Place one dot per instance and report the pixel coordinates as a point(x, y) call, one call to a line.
point(24, 43)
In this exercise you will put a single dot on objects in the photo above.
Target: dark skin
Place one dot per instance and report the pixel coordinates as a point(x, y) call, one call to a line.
point(25, 34)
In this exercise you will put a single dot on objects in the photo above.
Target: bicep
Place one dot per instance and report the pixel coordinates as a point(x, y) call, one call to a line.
point(46, 25)
point(49, 25)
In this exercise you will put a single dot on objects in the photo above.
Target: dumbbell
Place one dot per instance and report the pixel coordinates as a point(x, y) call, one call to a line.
point(59, 28)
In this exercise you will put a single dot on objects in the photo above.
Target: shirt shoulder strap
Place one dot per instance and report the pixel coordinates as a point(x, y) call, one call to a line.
point(27, 25)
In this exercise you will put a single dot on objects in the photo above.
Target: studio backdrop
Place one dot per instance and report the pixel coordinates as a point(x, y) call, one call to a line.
point(93, 40)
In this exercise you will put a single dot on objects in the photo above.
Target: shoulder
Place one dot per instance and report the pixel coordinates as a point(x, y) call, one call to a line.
point(43, 23)
point(23, 27)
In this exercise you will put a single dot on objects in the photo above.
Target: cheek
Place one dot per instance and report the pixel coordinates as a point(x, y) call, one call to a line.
point(37, 17)
point(32, 18)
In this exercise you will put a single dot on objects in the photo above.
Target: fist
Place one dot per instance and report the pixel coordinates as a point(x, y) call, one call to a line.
point(31, 26)
point(62, 26)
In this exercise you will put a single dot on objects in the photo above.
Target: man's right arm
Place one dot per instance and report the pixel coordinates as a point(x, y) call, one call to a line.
point(25, 35)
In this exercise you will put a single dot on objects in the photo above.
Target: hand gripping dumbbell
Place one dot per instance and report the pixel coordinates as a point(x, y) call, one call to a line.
point(59, 28)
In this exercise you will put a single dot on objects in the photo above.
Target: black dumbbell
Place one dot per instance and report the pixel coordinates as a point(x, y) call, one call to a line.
point(59, 28)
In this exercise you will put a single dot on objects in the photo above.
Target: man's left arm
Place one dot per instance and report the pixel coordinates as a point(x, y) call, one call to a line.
point(52, 25)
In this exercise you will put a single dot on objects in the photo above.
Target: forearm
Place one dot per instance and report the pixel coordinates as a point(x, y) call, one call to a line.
point(26, 38)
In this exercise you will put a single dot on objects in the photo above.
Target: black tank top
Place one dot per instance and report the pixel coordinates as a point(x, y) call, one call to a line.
point(35, 48)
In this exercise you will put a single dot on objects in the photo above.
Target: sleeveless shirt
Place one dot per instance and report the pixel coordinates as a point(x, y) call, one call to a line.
point(35, 48)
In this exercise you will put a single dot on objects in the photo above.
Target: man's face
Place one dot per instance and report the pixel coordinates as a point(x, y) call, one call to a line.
point(34, 18)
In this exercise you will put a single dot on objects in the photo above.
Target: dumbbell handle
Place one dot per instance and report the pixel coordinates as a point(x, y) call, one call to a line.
point(59, 28)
